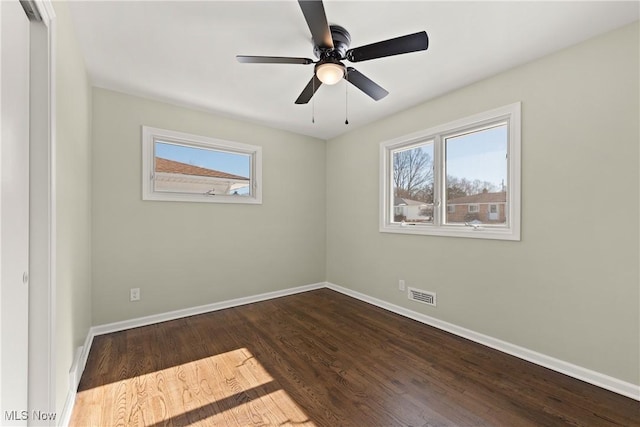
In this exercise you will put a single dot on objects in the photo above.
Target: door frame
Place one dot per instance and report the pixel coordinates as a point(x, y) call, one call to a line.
point(42, 217)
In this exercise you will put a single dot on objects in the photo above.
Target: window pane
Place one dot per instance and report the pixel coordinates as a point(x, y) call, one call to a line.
point(476, 176)
point(195, 170)
point(412, 182)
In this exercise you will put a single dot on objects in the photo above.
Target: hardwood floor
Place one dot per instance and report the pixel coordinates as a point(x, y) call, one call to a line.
point(321, 358)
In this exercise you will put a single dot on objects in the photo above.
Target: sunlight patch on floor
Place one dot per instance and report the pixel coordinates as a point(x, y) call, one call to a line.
point(229, 389)
point(274, 409)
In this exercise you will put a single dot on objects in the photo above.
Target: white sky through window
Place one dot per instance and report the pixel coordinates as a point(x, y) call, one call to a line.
point(479, 155)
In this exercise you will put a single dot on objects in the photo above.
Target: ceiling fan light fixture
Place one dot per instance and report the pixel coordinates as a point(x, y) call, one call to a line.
point(330, 73)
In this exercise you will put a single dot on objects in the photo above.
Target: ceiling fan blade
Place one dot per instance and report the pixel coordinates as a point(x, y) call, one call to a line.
point(245, 59)
point(365, 84)
point(309, 90)
point(396, 46)
point(313, 11)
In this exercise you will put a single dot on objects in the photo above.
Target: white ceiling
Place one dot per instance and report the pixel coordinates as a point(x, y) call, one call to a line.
point(184, 52)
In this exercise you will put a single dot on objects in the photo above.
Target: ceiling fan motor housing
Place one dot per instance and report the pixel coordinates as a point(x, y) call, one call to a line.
point(341, 41)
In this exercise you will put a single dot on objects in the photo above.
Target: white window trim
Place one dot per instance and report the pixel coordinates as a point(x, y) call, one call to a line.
point(511, 114)
point(150, 135)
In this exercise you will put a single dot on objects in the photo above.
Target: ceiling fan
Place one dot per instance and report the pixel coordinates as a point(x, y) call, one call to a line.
point(331, 47)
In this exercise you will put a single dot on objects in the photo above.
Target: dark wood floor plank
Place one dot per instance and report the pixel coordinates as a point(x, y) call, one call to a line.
point(388, 356)
point(321, 358)
point(264, 336)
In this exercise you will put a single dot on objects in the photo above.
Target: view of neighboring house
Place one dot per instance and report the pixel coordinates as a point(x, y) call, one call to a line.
point(172, 176)
point(412, 210)
point(485, 208)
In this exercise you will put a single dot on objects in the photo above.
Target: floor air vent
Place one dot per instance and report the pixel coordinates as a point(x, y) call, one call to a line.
point(424, 297)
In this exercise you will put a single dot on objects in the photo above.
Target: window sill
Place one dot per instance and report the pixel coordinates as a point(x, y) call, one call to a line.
point(493, 233)
point(182, 197)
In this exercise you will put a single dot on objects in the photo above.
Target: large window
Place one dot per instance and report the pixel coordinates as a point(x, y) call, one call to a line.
point(459, 179)
point(181, 167)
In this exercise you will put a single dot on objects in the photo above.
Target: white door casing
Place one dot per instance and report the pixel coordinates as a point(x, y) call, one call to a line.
point(42, 360)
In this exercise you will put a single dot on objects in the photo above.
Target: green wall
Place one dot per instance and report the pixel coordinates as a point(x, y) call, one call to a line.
point(183, 255)
point(570, 288)
point(73, 200)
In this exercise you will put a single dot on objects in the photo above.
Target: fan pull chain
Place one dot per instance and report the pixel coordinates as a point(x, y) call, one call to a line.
point(346, 99)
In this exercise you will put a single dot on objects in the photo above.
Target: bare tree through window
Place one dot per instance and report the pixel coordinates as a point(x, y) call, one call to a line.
point(413, 183)
point(413, 173)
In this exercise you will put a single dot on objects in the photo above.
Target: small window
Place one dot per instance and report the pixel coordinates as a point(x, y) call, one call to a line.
point(183, 167)
point(460, 179)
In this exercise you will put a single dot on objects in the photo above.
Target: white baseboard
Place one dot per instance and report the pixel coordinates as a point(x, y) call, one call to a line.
point(75, 372)
point(604, 381)
point(592, 377)
point(178, 314)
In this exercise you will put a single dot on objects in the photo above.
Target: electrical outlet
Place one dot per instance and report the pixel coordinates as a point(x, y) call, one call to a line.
point(401, 285)
point(134, 294)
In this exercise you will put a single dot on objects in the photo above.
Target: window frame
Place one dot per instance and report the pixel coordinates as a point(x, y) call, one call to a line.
point(151, 135)
point(511, 114)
